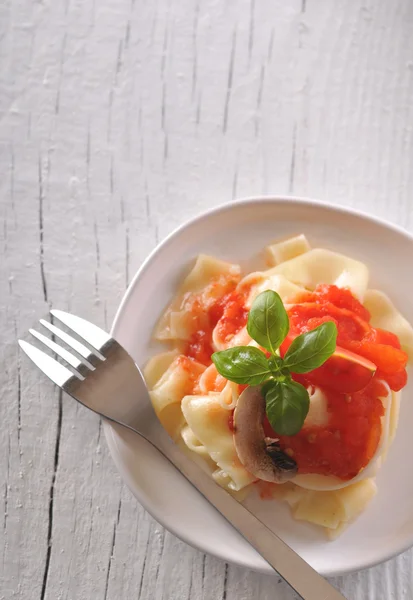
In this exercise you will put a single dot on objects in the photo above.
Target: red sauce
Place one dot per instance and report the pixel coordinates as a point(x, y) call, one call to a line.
point(226, 312)
point(350, 438)
point(342, 298)
point(199, 347)
point(232, 316)
point(354, 331)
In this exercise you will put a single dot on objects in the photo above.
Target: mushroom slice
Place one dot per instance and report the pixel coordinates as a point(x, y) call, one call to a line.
point(261, 456)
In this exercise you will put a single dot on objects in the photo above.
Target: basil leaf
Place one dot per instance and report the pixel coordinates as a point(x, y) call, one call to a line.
point(287, 405)
point(268, 322)
point(310, 350)
point(242, 364)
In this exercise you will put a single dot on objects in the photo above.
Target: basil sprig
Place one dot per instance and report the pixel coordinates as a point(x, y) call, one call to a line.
point(287, 402)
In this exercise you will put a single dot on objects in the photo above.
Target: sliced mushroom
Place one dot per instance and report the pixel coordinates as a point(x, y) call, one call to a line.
point(261, 456)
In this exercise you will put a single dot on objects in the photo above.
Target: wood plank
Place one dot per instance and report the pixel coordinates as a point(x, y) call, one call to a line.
point(119, 120)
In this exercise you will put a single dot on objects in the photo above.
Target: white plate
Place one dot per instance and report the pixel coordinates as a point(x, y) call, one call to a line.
point(238, 232)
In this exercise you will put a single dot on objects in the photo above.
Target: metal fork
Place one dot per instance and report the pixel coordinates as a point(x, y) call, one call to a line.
point(107, 381)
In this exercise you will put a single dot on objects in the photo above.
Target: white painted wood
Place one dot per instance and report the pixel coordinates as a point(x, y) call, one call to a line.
point(119, 119)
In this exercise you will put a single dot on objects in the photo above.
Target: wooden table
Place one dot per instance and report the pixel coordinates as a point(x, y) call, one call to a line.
point(119, 120)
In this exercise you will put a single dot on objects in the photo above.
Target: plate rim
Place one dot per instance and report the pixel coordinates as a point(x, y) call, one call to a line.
point(109, 429)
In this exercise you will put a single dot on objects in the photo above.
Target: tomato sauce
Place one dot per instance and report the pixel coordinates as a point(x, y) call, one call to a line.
point(199, 347)
point(350, 438)
point(355, 333)
point(226, 313)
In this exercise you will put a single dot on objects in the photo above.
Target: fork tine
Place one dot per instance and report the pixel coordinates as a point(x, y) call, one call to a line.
point(93, 335)
point(54, 370)
point(70, 341)
point(69, 358)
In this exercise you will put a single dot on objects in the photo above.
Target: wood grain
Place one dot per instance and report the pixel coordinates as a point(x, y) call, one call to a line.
point(119, 119)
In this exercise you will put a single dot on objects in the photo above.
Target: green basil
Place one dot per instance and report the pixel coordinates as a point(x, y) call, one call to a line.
point(310, 350)
point(268, 322)
point(287, 405)
point(242, 364)
point(275, 364)
point(287, 402)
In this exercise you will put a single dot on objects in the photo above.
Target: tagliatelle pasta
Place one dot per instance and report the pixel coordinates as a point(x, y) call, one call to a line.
point(208, 420)
point(157, 366)
point(324, 266)
point(209, 278)
point(287, 249)
point(384, 316)
point(195, 403)
point(166, 395)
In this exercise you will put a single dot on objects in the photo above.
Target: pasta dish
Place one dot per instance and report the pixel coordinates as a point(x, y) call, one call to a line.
point(284, 382)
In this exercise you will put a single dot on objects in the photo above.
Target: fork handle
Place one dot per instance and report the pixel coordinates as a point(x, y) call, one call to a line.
point(291, 567)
